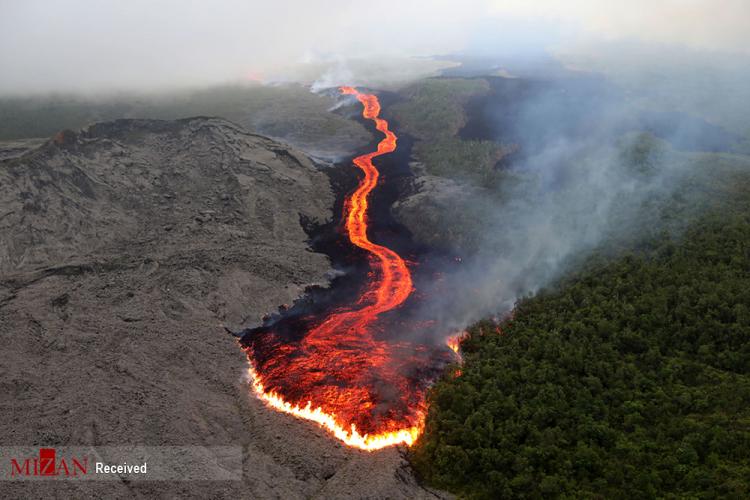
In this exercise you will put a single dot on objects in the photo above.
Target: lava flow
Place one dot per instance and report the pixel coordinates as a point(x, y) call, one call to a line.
point(346, 371)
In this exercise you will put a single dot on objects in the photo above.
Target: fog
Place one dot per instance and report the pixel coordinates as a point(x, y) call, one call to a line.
point(85, 46)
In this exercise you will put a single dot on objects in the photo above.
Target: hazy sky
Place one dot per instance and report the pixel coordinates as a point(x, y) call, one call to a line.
point(108, 44)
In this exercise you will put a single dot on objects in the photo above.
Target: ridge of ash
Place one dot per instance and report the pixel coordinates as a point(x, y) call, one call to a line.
point(118, 186)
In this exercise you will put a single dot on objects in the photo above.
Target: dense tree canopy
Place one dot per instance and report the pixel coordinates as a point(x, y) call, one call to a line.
point(630, 379)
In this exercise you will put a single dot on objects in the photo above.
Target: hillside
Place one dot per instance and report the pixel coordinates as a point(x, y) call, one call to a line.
point(290, 113)
point(127, 248)
point(632, 374)
point(433, 111)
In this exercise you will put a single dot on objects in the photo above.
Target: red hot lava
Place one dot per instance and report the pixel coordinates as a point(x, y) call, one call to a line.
point(344, 373)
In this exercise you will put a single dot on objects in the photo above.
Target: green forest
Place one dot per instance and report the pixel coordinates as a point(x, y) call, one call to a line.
point(433, 112)
point(629, 378)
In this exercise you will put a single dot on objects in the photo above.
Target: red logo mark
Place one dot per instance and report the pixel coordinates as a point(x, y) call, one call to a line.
point(47, 464)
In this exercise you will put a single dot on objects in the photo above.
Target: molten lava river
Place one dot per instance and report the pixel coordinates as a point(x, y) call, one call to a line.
point(346, 370)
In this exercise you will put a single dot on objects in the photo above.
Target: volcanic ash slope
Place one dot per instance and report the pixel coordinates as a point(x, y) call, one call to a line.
point(126, 247)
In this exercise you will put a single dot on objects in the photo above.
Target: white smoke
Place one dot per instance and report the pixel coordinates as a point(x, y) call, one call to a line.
point(576, 193)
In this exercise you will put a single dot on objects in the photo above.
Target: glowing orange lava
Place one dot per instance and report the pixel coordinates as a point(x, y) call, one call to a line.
point(343, 374)
point(329, 422)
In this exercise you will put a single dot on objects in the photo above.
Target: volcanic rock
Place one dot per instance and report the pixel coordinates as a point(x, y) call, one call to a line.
point(118, 276)
point(443, 213)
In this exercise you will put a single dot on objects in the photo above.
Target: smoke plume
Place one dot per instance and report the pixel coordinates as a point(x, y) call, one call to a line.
point(601, 165)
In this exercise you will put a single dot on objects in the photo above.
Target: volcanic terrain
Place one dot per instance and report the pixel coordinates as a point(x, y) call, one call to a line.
point(128, 249)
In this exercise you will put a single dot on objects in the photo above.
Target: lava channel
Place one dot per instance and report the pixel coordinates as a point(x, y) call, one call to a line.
point(345, 372)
